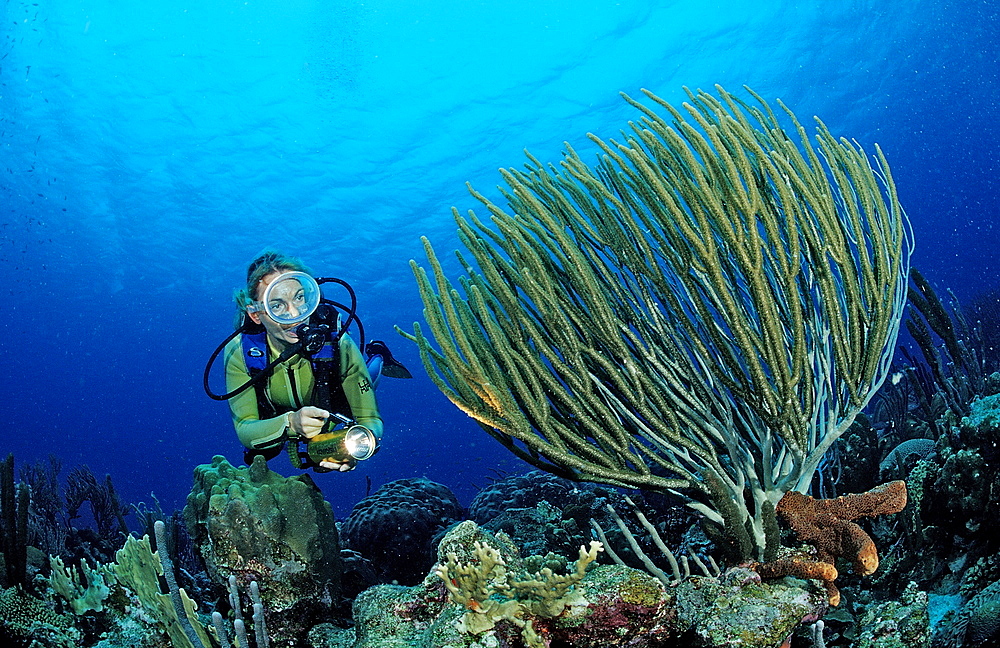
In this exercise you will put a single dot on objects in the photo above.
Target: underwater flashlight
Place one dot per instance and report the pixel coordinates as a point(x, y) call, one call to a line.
point(352, 441)
point(360, 442)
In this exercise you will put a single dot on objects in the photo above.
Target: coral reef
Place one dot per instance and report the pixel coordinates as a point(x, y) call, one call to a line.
point(737, 609)
point(54, 510)
point(977, 623)
point(139, 569)
point(261, 636)
point(903, 458)
point(127, 598)
point(490, 599)
point(543, 514)
point(943, 540)
point(647, 562)
point(828, 525)
point(523, 492)
point(800, 566)
point(896, 624)
point(489, 592)
point(398, 526)
point(479, 592)
point(48, 525)
point(28, 621)
point(256, 525)
point(108, 511)
point(83, 588)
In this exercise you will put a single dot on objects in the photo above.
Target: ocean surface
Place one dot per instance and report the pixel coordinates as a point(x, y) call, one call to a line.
point(149, 150)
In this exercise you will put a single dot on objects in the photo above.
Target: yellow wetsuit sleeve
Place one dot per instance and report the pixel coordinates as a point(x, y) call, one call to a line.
point(358, 386)
point(251, 430)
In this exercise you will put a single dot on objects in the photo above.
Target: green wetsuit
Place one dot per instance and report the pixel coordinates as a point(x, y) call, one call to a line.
point(290, 387)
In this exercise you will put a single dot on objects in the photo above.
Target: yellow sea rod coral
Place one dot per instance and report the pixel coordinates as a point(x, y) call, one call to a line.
point(705, 310)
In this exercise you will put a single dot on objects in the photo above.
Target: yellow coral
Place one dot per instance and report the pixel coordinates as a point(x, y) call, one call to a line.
point(485, 589)
point(138, 568)
point(69, 583)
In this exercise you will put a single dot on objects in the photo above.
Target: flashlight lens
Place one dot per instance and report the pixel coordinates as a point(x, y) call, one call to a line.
point(360, 443)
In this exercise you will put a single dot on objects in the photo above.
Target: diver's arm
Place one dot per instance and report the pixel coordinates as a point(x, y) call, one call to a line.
point(253, 432)
point(358, 387)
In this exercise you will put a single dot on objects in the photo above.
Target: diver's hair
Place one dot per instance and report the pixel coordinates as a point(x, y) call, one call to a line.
point(264, 264)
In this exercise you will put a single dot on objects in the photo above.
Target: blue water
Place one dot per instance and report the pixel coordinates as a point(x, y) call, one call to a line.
point(148, 150)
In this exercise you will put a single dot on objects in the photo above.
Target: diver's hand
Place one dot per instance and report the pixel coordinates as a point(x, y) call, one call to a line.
point(330, 463)
point(307, 422)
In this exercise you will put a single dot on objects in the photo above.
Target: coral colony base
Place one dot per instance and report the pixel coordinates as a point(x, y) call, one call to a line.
point(698, 333)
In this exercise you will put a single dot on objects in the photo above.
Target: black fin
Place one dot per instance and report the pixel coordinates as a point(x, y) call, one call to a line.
point(391, 368)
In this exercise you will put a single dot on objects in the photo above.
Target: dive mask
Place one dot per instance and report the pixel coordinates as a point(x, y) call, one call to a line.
point(291, 298)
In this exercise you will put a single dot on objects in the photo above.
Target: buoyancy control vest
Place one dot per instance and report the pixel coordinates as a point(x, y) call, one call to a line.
point(328, 390)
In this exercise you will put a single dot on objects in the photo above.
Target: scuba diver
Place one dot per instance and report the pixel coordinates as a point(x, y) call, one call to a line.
point(293, 374)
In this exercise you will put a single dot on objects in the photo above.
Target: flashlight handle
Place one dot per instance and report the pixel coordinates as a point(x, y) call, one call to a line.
point(346, 420)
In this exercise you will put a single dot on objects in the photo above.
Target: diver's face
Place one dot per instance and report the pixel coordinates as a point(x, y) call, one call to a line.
point(285, 298)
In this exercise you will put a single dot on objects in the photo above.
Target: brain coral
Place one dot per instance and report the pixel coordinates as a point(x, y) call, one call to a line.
point(977, 624)
point(397, 527)
point(521, 492)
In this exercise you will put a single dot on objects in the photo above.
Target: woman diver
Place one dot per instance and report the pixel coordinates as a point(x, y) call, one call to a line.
point(308, 375)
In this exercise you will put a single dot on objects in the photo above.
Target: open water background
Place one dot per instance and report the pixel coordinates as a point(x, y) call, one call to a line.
point(149, 150)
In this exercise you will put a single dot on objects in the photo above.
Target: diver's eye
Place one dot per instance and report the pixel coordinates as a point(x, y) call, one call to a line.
point(277, 307)
point(300, 297)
